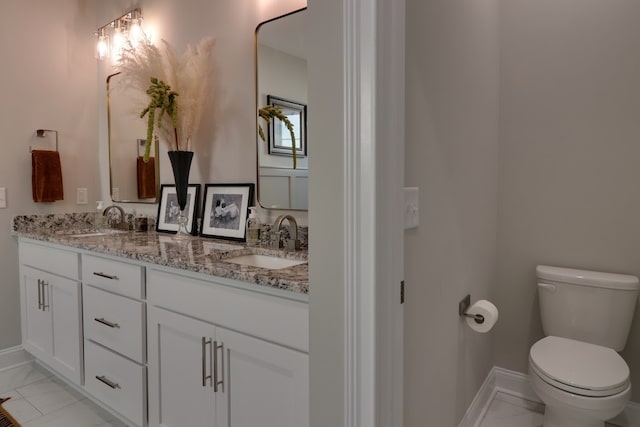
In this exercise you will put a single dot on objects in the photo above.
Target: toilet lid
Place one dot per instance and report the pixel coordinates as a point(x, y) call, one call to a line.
point(579, 367)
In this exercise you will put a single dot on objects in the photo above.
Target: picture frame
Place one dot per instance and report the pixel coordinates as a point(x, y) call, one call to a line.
point(168, 209)
point(225, 210)
point(278, 134)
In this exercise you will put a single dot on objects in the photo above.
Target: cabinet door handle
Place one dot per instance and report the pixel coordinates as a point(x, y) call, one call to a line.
point(108, 382)
point(45, 299)
point(216, 382)
point(107, 323)
point(205, 377)
point(40, 295)
point(106, 276)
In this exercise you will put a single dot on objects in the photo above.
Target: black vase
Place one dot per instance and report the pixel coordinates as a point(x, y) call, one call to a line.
point(181, 164)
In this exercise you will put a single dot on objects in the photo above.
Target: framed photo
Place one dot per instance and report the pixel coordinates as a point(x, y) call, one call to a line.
point(280, 143)
point(168, 208)
point(225, 210)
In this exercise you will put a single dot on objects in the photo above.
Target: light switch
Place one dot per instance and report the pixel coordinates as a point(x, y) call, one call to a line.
point(411, 208)
point(3, 197)
point(82, 196)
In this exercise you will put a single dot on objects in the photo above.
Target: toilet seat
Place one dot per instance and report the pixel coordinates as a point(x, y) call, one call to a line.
point(578, 367)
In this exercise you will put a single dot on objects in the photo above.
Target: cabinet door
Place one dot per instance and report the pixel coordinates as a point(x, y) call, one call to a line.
point(263, 384)
point(63, 298)
point(53, 326)
point(37, 330)
point(180, 370)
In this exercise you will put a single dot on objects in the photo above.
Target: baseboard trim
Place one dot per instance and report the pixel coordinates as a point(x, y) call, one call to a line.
point(517, 384)
point(14, 356)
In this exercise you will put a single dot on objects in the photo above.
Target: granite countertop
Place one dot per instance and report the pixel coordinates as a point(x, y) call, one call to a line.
point(201, 255)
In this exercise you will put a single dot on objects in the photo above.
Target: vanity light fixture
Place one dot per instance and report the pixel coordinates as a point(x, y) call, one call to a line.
point(112, 37)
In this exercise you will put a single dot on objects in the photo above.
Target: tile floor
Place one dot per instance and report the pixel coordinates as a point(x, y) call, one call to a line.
point(39, 399)
point(510, 411)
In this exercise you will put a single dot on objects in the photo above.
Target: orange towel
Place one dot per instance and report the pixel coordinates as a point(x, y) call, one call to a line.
point(46, 176)
point(146, 178)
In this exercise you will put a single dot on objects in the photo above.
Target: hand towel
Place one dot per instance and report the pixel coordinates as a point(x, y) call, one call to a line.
point(46, 176)
point(146, 178)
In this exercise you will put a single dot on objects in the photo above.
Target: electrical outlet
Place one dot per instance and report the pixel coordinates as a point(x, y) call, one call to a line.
point(411, 208)
point(82, 196)
point(3, 197)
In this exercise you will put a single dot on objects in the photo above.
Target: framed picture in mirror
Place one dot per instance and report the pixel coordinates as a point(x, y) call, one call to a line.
point(225, 210)
point(280, 143)
point(168, 208)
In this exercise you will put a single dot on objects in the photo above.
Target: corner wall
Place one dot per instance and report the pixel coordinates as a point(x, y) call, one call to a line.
point(569, 151)
point(48, 81)
point(451, 154)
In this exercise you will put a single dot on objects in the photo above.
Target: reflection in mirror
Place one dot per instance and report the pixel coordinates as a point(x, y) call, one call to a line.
point(132, 180)
point(281, 73)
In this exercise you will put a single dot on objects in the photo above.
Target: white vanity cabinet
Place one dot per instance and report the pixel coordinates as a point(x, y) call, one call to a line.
point(51, 308)
point(204, 374)
point(166, 347)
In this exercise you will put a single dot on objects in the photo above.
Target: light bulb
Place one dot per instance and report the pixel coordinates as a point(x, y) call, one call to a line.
point(136, 35)
point(117, 44)
point(102, 45)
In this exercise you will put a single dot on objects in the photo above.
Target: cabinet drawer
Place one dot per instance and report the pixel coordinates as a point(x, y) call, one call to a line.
point(51, 259)
point(116, 381)
point(114, 276)
point(115, 322)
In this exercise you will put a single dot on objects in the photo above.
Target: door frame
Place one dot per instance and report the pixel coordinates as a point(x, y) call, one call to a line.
point(373, 58)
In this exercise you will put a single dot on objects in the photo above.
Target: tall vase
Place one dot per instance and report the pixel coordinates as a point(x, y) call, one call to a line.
point(181, 164)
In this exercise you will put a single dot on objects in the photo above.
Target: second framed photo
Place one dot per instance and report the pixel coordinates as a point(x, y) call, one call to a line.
point(168, 208)
point(225, 210)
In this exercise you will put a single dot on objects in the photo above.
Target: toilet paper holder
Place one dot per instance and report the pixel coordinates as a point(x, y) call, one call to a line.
point(463, 306)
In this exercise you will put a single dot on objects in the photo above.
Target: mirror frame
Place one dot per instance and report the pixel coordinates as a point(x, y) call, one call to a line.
point(257, 107)
point(155, 149)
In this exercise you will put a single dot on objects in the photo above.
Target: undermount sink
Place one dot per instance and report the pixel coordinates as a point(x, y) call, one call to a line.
point(98, 233)
point(264, 261)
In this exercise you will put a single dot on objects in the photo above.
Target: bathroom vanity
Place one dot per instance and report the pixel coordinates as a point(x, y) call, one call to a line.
point(165, 333)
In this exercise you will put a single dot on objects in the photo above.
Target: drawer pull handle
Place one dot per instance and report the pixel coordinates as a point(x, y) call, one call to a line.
point(40, 303)
point(107, 323)
point(108, 382)
point(106, 276)
point(218, 382)
point(45, 299)
point(205, 377)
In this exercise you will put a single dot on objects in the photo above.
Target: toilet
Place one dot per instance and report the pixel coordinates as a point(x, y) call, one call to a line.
point(575, 369)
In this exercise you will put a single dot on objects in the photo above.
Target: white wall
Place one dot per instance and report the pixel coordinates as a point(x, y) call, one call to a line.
point(326, 217)
point(569, 150)
point(48, 81)
point(451, 154)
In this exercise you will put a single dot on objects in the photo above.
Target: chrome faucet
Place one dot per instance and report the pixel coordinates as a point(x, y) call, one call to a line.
point(120, 223)
point(293, 243)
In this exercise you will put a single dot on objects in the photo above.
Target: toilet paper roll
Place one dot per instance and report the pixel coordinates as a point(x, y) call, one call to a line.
point(487, 310)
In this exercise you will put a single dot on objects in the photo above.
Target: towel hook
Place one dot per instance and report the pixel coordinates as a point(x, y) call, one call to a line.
point(41, 133)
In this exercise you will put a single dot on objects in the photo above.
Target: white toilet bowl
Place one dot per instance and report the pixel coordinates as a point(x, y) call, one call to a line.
point(581, 384)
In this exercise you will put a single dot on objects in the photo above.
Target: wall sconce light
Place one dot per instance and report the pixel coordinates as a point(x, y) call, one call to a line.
point(112, 37)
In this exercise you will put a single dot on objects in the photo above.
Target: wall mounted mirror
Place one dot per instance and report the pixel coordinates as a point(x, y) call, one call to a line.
point(132, 180)
point(281, 76)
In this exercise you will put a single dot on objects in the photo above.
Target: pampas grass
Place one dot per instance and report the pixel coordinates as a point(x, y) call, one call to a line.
point(189, 76)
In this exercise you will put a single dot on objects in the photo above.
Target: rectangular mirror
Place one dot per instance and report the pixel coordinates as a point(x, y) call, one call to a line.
point(131, 179)
point(281, 79)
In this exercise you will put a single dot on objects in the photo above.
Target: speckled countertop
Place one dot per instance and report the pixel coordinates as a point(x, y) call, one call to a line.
point(201, 255)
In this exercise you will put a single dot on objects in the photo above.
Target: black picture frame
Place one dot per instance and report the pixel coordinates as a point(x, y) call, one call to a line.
point(166, 221)
point(278, 135)
point(225, 209)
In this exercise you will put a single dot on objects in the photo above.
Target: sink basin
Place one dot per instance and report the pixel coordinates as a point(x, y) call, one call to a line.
point(98, 233)
point(264, 261)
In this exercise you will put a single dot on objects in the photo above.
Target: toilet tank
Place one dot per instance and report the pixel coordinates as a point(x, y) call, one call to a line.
point(586, 305)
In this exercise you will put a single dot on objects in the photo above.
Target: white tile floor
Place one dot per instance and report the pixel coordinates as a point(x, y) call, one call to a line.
point(510, 411)
point(39, 399)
